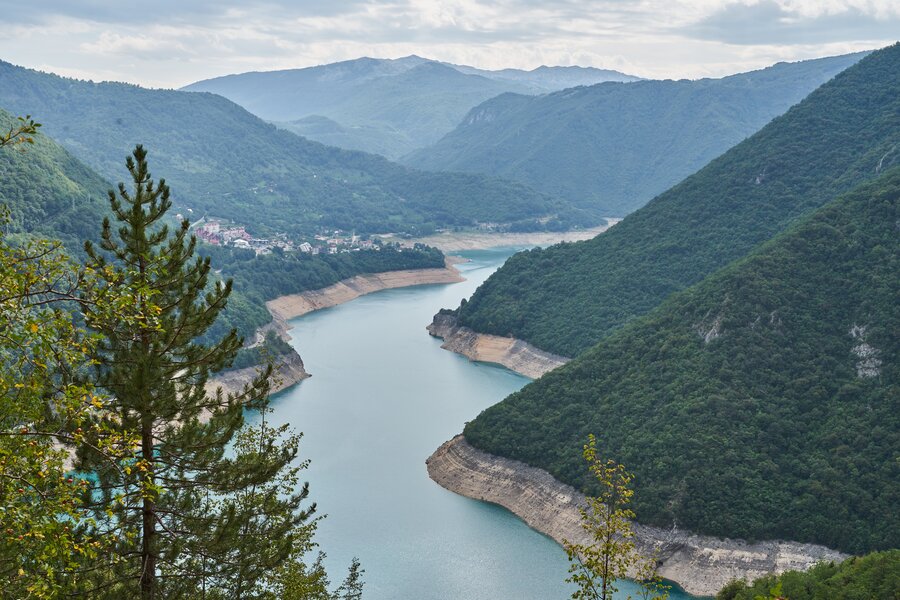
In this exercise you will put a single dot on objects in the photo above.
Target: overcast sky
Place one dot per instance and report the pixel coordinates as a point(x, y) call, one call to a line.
point(170, 43)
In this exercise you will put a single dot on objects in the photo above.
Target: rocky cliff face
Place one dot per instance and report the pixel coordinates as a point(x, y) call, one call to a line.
point(702, 565)
point(513, 354)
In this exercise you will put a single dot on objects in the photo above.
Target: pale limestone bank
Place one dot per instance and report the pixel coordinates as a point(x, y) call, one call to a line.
point(295, 305)
point(289, 369)
point(456, 241)
point(699, 564)
point(516, 355)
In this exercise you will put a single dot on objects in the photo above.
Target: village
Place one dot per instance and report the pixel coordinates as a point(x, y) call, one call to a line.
point(218, 232)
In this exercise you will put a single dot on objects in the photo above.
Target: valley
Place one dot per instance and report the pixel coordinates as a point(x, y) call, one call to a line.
point(599, 302)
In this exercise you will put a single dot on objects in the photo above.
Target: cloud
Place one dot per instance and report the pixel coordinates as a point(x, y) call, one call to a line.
point(169, 12)
point(769, 22)
point(170, 43)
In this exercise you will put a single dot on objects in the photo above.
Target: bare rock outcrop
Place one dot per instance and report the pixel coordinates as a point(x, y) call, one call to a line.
point(702, 565)
point(516, 355)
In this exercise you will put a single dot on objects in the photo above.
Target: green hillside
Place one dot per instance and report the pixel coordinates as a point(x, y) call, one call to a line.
point(761, 403)
point(48, 192)
point(566, 298)
point(869, 577)
point(51, 194)
point(613, 147)
point(366, 138)
point(220, 159)
point(388, 106)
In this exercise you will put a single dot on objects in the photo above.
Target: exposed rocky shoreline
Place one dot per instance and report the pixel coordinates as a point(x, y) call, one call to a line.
point(514, 354)
point(295, 305)
point(288, 369)
point(456, 241)
point(699, 564)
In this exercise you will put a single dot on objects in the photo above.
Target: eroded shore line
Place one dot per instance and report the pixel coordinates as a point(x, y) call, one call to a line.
point(296, 305)
point(701, 565)
point(289, 369)
point(458, 241)
point(512, 353)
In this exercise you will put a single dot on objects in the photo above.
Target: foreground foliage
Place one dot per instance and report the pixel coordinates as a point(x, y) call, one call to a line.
point(595, 567)
point(159, 508)
point(42, 406)
point(566, 298)
point(762, 403)
point(875, 575)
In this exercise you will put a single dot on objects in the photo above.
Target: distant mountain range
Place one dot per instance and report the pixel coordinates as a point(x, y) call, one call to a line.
point(387, 106)
point(222, 160)
point(613, 147)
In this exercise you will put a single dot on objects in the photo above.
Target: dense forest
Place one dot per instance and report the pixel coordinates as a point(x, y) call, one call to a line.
point(874, 576)
point(612, 147)
point(223, 161)
point(566, 298)
point(49, 193)
point(761, 403)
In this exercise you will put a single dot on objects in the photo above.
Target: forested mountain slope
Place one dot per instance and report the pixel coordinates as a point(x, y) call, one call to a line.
point(220, 159)
point(389, 106)
point(875, 575)
point(48, 192)
point(761, 403)
point(566, 298)
point(613, 147)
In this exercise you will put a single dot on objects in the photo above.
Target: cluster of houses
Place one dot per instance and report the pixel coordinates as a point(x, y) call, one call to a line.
point(338, 242)
point(215, 232)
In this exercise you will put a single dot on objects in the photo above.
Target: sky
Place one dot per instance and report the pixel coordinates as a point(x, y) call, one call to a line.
point(170, 43)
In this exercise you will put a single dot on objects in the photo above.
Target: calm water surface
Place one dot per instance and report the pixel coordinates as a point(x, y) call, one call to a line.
point(382, 398)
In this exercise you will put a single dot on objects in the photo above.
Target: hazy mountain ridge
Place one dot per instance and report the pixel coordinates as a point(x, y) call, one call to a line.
point(410, 102)
point(566, 298)
point(613, 147)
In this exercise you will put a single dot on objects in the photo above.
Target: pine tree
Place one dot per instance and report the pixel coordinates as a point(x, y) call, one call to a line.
point(179, 509)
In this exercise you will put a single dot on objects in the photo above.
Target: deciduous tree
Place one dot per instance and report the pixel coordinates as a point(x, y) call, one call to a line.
point(596, 566)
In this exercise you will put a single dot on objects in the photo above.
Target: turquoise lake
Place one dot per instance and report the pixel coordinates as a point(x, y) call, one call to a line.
point(383, 396)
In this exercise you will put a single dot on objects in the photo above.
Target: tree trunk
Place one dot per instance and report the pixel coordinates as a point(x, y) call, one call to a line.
point(148, 520)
